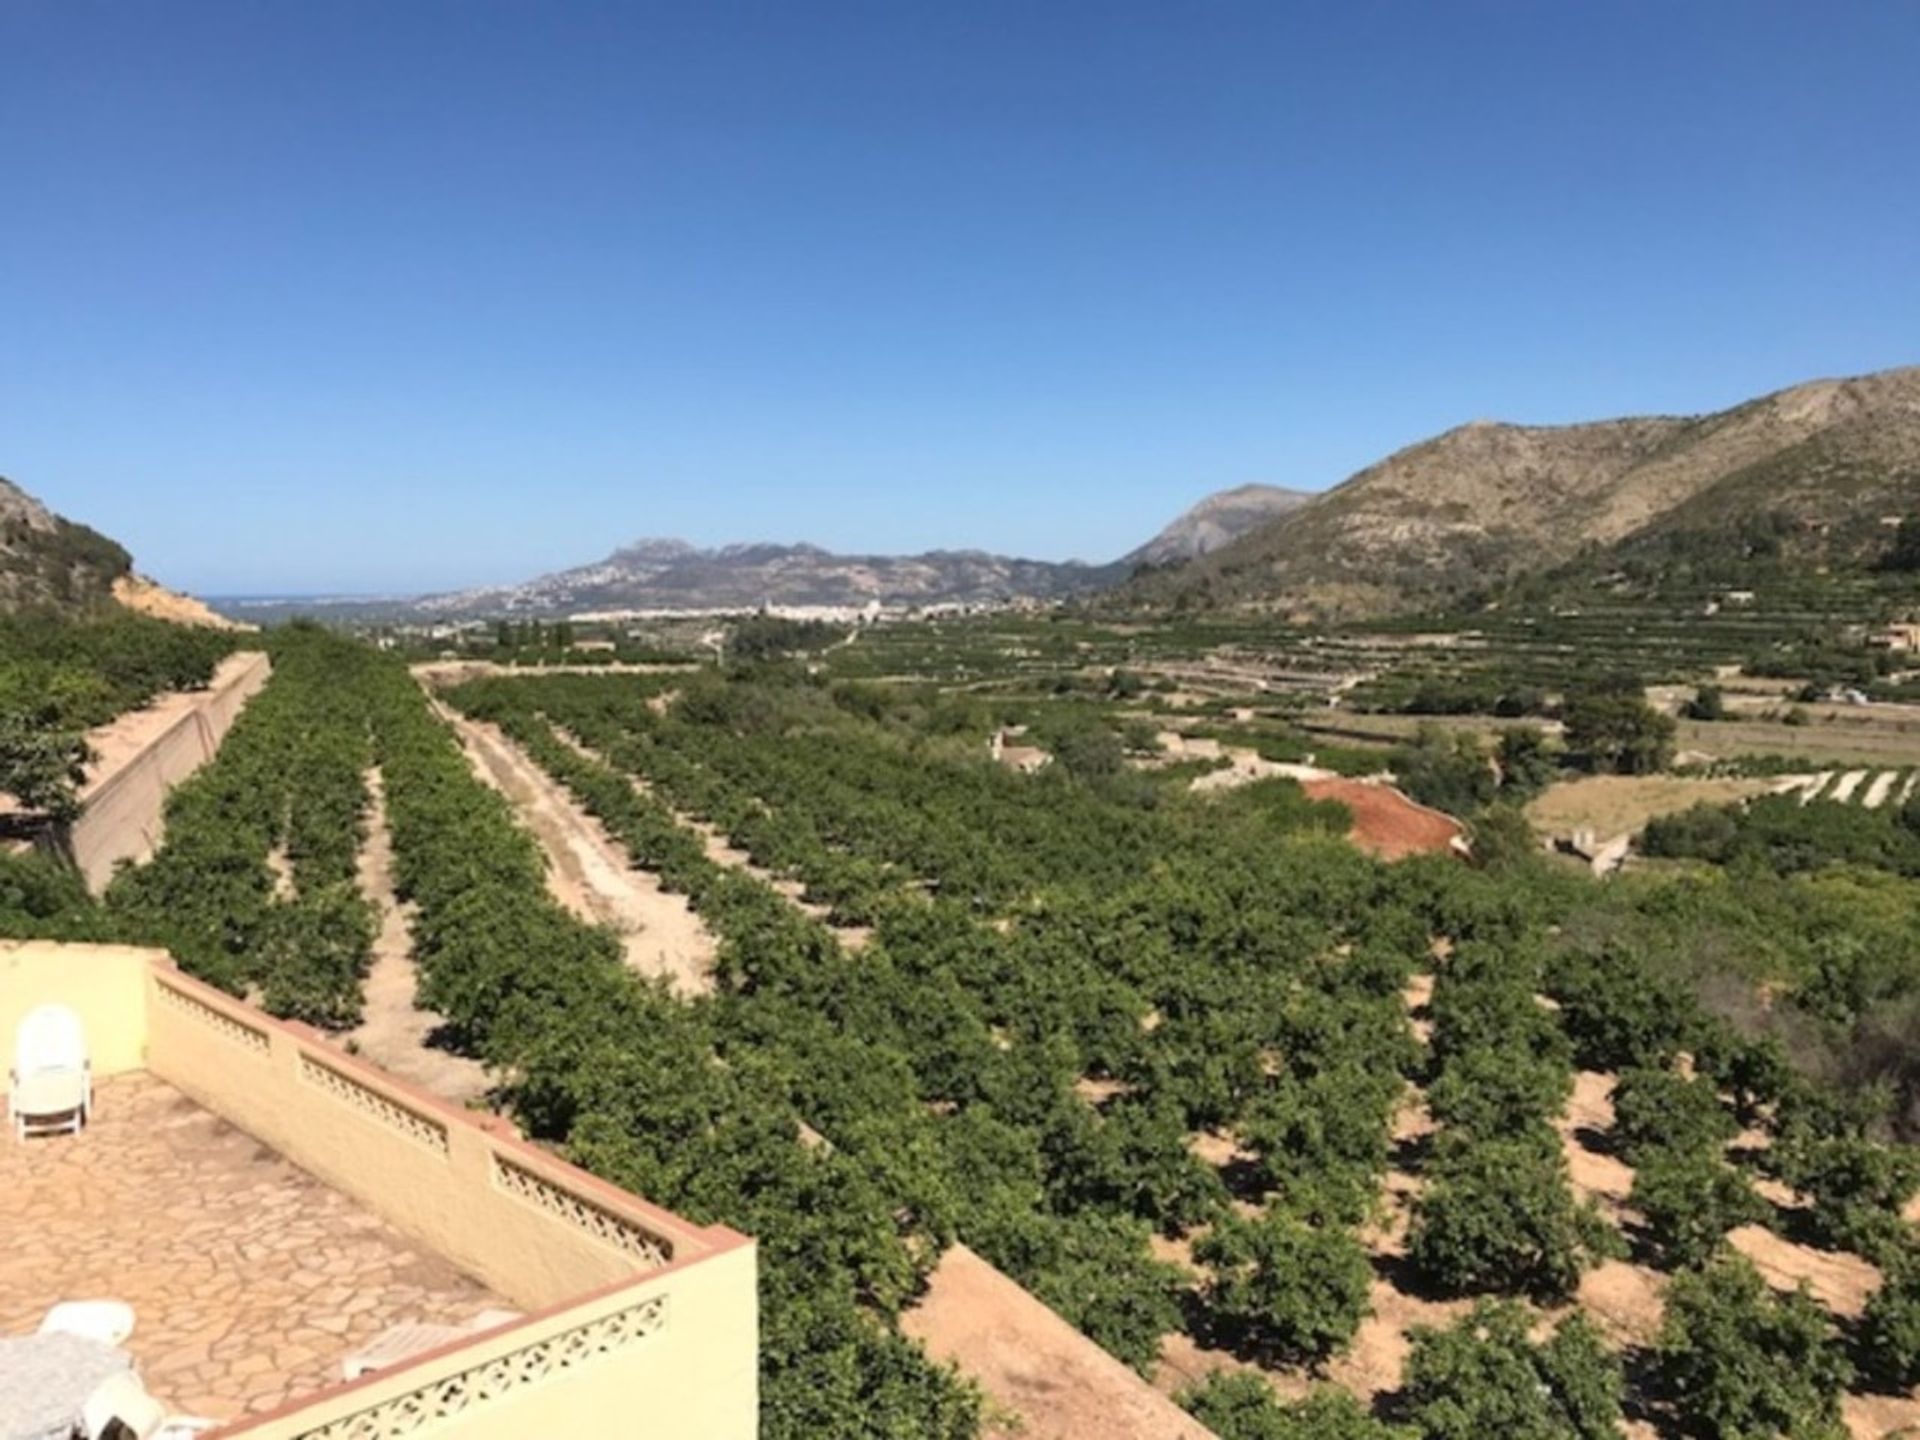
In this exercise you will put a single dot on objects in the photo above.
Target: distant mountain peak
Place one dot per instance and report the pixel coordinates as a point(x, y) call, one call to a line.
point(1217, 521)
point(652, 548)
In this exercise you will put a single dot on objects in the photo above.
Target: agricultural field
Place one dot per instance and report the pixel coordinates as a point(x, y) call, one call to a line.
point(1318, 1142)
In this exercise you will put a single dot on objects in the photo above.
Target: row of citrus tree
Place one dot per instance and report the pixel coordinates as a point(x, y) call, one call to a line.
point(1230, 983)
point(255, 887)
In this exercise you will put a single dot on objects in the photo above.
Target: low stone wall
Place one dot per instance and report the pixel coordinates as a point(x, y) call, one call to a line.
point(122, 805)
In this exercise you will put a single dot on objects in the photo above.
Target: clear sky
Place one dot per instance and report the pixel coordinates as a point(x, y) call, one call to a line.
point(401, 295)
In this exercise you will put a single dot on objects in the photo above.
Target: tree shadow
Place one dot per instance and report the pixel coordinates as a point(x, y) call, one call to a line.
point(1244, 1179)
point(1645, 1399)
point(1410, 1153)
point(1409, 1279)
point(1599, 1142)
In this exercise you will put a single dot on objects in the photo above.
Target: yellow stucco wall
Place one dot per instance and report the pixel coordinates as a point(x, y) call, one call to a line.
point(674, 1357)
point(105, 984)
point(640, 1324)
point(535, 1230)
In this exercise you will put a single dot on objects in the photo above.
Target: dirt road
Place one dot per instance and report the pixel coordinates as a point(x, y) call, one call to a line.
point(395, 1033)
point(588, 871)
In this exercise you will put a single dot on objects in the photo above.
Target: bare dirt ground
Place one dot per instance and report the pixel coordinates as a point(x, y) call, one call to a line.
point(395, 1033)
point(1049, 1380)
point(281, 869)
point(1841, 1281)
point(1622, 804)
point(588, 871)
point(1245, 767)
point(1385, 822)
point(722, 851)
point(1589, 1114)
point(147, 597)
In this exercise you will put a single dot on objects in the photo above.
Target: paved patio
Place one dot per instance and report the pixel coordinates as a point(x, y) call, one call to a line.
point(250, 1279)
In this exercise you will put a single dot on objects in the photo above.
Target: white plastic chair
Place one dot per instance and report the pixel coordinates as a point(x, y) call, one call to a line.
point(108, 1321)
point(398, 1343)
point(51, 1083)
point(416, 1337)
point(121, 1399)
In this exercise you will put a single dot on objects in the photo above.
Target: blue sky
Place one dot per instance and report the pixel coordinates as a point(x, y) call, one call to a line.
point(346, 296)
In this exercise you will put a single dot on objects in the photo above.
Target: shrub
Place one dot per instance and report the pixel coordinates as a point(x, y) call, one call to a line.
point(1619, 1011)
point(1446, 771)
point(1497, 1216)
point(1493, 1092)
point(1285, 1288)
point(1324, 1137)
point(1690, 1199)
point(1503, 838)
point(1737, 1362)
point(1525, 761)
point(1243, 1406)
point(1890, 1329)
point(1611, 728)
point(1857, 1186)
point(1656, 1109)
point(1485, 1376)
point(1708, 703)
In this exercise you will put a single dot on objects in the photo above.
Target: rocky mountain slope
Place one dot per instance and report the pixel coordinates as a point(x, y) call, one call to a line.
point(1218, 520)
point(673, 575)
point(1823, 466)
point(48, 562)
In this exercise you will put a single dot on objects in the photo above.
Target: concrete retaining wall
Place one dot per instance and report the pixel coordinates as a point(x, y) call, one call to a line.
point(121, 807)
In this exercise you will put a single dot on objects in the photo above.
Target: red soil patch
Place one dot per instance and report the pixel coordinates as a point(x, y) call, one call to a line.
point(1385, 822)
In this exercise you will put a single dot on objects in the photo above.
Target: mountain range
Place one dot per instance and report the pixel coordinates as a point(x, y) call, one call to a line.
point(1817, 474)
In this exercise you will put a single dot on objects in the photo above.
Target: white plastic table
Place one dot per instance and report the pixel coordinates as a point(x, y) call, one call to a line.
point(45, 1381)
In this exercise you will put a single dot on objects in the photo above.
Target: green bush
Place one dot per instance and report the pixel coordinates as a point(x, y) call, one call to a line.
point(1497, 1216)
point(1485, 1376)
point(1656, 1109)
point(1237, 1405)
point(1890, 1328)
point(1737, 1362)
point(1492, 1092)
point(1690, 1199)
point(1284, 1288)
point(1611, 728)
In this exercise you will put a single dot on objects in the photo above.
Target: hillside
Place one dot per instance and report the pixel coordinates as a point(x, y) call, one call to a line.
point(1817, 469)
point(50, 563)
point(47, 561)
point(1216, 521)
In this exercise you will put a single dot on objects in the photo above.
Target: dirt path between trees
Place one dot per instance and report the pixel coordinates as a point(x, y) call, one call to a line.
point(588, 871)
point(722, 851)
point(395, 1033)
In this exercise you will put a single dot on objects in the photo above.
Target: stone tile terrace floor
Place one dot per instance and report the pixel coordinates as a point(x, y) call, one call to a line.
point(249, 1279)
